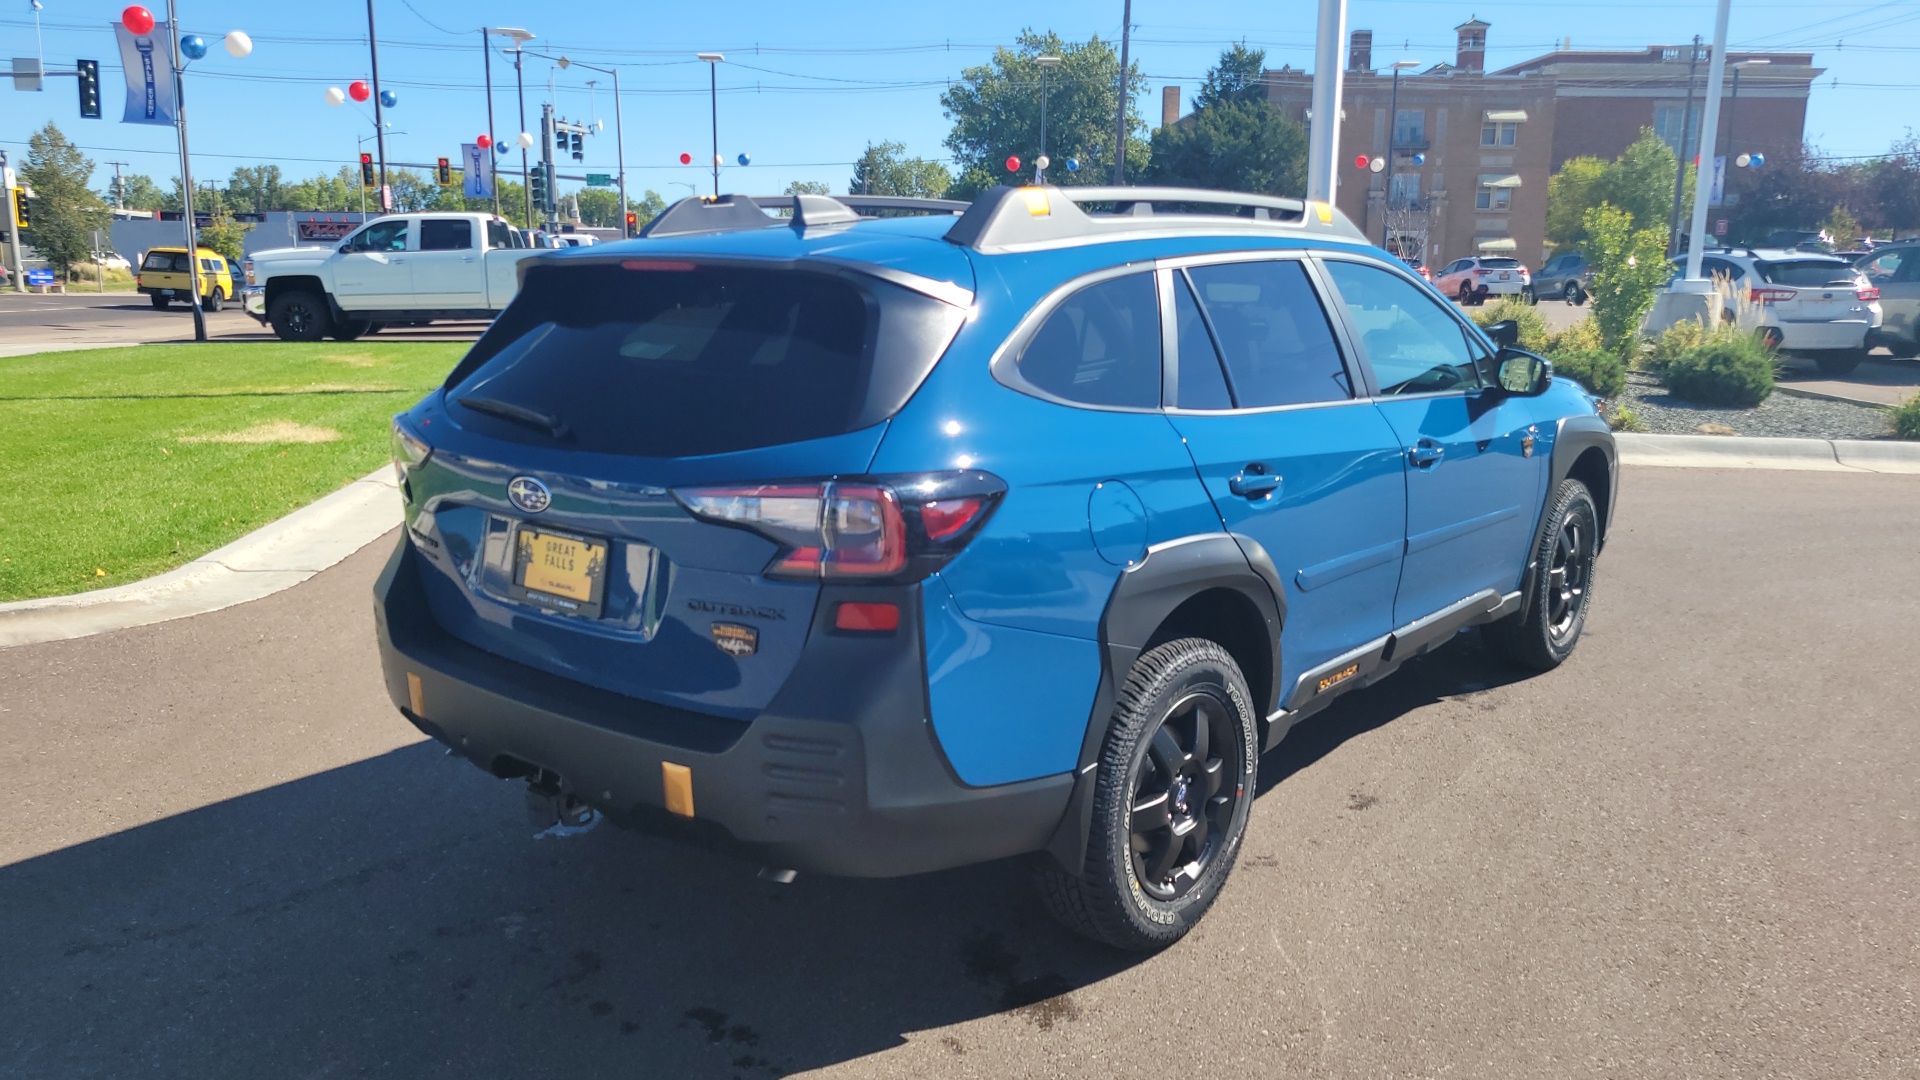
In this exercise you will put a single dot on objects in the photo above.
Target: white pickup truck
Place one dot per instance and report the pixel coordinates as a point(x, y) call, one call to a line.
point(401, 268)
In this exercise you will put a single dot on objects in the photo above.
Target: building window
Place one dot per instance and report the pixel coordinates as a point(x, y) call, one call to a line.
point(1676, 121)
point(1410, 127)
point(1498, 133)
point(1405, 193)
point(1493, 198)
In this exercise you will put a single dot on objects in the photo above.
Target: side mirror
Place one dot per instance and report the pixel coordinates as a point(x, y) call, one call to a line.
point(1524, 374)
point(1505, 333)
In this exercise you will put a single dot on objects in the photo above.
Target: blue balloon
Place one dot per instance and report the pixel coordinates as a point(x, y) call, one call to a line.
point(193, 46)
point(1073, 164)
point(1419, 159)
point(389, 99)
point(1757, 160)
point(743, 159)
point(500, 148)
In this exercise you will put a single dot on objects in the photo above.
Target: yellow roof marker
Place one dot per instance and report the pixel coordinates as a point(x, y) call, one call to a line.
point(1037, 204)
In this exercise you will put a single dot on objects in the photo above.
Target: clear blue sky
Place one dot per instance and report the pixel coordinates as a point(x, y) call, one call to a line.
point(806, 86)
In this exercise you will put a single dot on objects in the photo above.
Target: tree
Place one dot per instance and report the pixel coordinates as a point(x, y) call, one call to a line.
point(1629, 266)
point(1234, 140)
point(885, 170)
point(66, 212)
point(139, 192)
point(1570, 194)
point(326, 193)
point(1236, 78)
point(256, 188)
point(1842, 226)
point(1639, 182)
point(808, 187)
point(995, 109)
point(599, 207)
point(225, 235)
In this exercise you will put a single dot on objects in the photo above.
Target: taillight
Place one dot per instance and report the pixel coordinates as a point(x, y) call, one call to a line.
point(892, 528)
point(410, 451)
point(1868, 294)
point(1772, 296)
point(1481, 273)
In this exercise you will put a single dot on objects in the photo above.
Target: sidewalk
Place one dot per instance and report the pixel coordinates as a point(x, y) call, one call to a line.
point(1880, 380)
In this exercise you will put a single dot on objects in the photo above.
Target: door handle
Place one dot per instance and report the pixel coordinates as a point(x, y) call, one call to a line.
point(466, 258)
point(1425, 454)
point(1254, 482)
point(395, 262)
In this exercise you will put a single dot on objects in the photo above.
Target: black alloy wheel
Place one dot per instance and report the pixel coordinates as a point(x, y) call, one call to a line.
point(1553, 607)
point(299, 316)
point(1171, 796)
point(1573, 294)
point(1569, 569)
point(215, 300)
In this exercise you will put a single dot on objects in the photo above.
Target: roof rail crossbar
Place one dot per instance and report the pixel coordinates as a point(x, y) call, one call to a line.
point(1007, 219)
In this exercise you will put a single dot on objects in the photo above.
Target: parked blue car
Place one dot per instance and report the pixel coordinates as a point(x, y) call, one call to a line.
point(1020, 527)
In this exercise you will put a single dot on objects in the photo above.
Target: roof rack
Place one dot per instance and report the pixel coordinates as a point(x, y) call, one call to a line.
point(732, 213)
point(1006, 219)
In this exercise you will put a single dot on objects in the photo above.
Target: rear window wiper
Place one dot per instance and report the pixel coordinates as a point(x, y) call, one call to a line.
point(519, 414)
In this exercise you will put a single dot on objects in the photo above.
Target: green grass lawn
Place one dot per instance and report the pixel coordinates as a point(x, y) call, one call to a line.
point(122, 463)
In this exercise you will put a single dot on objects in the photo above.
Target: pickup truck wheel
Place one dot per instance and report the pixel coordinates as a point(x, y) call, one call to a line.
point(299, 316)
point(348, 329)
point(214, 300)
point(1839, 361)
point(1542, 634)
point(159, 302)
point(1171, 799)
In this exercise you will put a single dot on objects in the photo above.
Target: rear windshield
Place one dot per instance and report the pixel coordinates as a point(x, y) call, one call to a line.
point(1809, 272)
point(678, 360)
point(1499, 264)
point(165, 260)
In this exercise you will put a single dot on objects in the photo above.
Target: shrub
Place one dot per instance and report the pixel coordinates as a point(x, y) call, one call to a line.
point(1534, 334)
point(1906, 419)
point(1600, 371)
point(1675, 341)
point(1583, 336)
point(1729, 368)
point(1629, 267)
point(1625, 419)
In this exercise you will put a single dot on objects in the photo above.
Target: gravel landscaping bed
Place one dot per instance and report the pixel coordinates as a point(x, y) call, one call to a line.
point(1780, 415)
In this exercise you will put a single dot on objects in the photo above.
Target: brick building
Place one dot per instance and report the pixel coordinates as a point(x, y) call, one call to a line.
point(1473, 149)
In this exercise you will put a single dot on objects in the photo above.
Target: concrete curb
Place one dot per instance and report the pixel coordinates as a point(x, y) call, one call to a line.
point(1752, 452)
point(11, 349)
point(1821, 395)
point(263, 562)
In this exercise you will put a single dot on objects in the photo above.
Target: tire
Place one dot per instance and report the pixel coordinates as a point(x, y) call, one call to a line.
point(1839, 361)
point(1466, 295)
point(1771, 337)
point(348, 329)
point(1526, 293)
point(1574, 294)
point(1542, 634)
point(1903, 350)
point(159, 302)
point(214, 300)
point(1135, 892)
point(375, 327)
point(299, 316)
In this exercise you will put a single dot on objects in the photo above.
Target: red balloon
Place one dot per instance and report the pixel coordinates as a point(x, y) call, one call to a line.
point(686, 159)
point(359, 91)
point(1013, 163)
point(137, 19)
point(484, 142)
point(1360, 162)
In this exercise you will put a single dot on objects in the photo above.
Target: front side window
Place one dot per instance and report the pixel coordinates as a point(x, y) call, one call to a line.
point(1884, 267)
point(1412, 345)
point(439, 235)
point(1101, 346)
point(1272, 333)
point(380, 236)
point(1499, 133)
point(1493, 198)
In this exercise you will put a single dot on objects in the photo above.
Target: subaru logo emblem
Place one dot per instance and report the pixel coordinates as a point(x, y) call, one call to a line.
point(529, 494)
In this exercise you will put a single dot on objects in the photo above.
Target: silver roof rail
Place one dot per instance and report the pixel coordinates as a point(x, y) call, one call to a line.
point(1005, 219)
point(733, 213)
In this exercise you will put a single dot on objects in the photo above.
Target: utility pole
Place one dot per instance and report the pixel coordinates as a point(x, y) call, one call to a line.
point(13, 226)
point(379, 124)
point(119, 185)
point(1680, 155)
point(486, 51)
point(1120, 120)
point(548, 204)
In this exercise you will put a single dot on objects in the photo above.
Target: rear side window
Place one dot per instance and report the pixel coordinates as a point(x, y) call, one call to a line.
point(679, 361)
point(436, 235)
point(1805, 273)
point(500, 235)
point(1412, 345)
point(1272, 333)
point(1101, 346)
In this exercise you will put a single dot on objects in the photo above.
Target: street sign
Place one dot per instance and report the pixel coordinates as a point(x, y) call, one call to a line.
point(599, 179)
point(26, 73)
point(39, 278)
point(477, 173)
point(1720, 227)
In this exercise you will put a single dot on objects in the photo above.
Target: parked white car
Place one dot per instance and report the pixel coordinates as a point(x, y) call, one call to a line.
point(1812, 305)
point(411, 268)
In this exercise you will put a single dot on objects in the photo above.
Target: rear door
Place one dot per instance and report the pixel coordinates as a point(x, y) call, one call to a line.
point(1293, 457)
point(1473, 479)
point(1897, 274)
point(447, 271)
point(372, 271)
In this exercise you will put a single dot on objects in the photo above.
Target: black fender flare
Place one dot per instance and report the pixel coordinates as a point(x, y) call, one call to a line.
point(1573, 437)
point(1146, 593)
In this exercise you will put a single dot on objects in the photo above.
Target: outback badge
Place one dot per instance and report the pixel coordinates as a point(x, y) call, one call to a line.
point(735, 640)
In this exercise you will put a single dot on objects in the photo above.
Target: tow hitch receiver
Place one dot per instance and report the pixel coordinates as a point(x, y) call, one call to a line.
point(549, 804)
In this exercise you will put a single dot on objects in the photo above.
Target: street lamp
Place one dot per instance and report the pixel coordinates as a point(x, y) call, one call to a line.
point(1735, 100)
point(713, 61)
point(619, 128)
point(520, 37)
point(1047, 63)
point(1393, 129)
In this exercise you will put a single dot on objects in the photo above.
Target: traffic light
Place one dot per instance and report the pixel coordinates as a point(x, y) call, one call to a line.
point(444, 172)
point(20, 216)
point(577, 154)
point(537, 185)
point(633, 225)
point(366, 170)
point(89, 72)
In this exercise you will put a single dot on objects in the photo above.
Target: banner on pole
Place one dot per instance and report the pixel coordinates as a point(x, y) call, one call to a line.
point(478, 167)
point(1719, 194)
point(149, 70)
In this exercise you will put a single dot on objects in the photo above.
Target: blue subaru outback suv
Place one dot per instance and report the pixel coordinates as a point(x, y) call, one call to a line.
point(874, 536)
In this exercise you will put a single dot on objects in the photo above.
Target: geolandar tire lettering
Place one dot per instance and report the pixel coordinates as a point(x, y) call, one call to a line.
point(1542, 634)
point(1171, 799)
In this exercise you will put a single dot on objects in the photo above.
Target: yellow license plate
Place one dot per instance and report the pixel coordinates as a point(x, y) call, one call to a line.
point(566, 567)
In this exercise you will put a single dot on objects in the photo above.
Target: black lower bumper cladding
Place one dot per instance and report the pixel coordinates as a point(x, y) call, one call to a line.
point(840, 774)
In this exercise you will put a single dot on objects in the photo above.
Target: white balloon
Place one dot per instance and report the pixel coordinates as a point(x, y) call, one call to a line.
point(1042, 161)
point(238, 43)
point(717, 161)
point(336, 96)
point(525, 140)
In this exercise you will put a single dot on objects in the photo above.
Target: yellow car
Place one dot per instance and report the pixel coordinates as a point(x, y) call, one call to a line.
point(163, 277)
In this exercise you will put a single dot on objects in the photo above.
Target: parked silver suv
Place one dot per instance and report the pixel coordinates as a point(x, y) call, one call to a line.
point(1894, 269)
point(1811, 305)
point(1565, 277)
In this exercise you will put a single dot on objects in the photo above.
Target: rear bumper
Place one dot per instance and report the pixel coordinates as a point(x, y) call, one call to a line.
point(839, 775)
point(1510, 287)
point(1822, 335)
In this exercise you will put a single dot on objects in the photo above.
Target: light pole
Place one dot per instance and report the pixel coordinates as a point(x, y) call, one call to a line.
point(379, 128)
point(1709, 138)
point(713, 61)
point(619, 129)
point(1047, 63)
point(1120, 118)
point(520, 37)
point(1734, 102)
point(1323, 132)
point(1393, 131)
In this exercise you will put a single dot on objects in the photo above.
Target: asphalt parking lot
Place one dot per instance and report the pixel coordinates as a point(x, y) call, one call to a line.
point(83, 318)
point(1693, 851)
